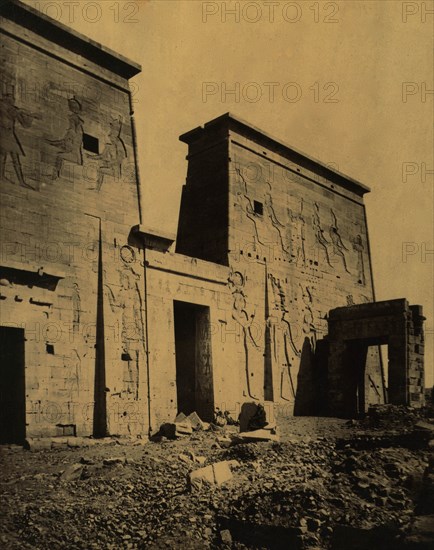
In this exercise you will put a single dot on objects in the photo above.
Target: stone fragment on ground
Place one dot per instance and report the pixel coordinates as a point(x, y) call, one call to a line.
point(252, 416)
point(180, 417)
point(213, 475)
point(172, 430)
point(202, 476)
point(224, 441)
point(195, 421)
point(114, 460)
point(226, 536)
point(73, 472)
point(184, 458)
point(222, 472)
point(256, 435)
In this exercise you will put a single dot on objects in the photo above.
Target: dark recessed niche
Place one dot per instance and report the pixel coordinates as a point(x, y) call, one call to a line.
point(126, 357)
point(91, 143)
point(258, 208)
point(49, 349)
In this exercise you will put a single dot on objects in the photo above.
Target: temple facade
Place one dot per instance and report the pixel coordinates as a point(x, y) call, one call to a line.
point(111, 327)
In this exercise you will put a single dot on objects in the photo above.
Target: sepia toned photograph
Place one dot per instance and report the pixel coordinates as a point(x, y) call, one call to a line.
point(216, 274)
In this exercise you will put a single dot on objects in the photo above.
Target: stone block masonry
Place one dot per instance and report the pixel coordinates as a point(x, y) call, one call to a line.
point(109, 327)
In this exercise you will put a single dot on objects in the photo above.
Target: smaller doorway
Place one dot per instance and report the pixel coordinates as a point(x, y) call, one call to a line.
point(365, 383)
point(194, 380)
point(12, 386)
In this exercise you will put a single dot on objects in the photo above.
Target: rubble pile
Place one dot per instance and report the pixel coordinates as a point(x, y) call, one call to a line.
point(212, 489)
point(391, 418)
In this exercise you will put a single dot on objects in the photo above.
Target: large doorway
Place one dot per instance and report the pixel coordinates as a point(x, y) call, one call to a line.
point(12, 386)
point(194, 383)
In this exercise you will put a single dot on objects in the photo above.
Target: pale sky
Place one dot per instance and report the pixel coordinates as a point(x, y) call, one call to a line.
point(351, 83)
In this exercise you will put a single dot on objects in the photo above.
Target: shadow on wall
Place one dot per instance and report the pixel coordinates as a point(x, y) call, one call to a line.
point(311, 396)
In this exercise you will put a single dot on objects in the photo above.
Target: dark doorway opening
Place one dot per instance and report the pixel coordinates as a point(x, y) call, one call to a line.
point(365, 375)
point(194, 382)
point(12, 386)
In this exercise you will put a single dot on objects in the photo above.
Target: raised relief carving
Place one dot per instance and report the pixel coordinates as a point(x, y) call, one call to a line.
point(298, 236)
point(246, 206)
point(129, 300)
point(282, 340)
point(239, 312)
point(336, 240)
point(269, 208)
point(110, 296)
point(111, 159)
point(236, 284)
point(10, 116)
point(278, 226)
point(320, 239)
point(72, 364)
point(128, 254)
point(359, 248)
point(308, 325)
point(69, 147)
point(76, 308)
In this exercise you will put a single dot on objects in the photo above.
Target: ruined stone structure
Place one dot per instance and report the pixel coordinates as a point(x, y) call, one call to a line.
point(107, 325)
point(352, 330)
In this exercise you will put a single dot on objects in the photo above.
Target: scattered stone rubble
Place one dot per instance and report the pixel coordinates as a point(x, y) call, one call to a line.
point(212, 489)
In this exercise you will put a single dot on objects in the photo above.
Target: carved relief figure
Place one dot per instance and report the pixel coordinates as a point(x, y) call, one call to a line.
point(338, 245)
point(76, 308)
point(320, 239)
point(72, 364)
point(282, 339)
point(308, 326)
point(243, 318)
point(129, 300)
point(269, 208)
point(246, 206)
point(298, 235)
point(70, 146)
point(112, 156)
point(239, 312)
point(359, 248)
point(10, 115)
point(278, 226)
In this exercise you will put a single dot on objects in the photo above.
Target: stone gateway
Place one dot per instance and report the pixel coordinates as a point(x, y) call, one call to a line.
point(109, 326)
